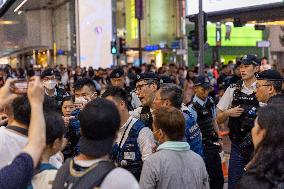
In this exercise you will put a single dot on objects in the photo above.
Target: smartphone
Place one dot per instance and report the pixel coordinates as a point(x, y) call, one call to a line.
point(19, 86)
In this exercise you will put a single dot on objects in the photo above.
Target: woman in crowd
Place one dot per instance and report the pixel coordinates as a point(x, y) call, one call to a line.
point(188, 87)
point(266, 170)
point(174, 165)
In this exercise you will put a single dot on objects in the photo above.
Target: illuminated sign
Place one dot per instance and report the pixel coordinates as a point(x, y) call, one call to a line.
point(228, 35)
point(192, 6)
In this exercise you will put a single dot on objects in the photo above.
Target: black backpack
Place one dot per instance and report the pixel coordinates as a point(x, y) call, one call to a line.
point(91, 178)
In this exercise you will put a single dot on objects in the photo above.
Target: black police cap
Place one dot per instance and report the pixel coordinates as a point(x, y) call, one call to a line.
point(202, 81)
point(50, 72)
point(250, 59)
point(270, 75)
point(165, 79)
point(148, 76)
point(117, 73)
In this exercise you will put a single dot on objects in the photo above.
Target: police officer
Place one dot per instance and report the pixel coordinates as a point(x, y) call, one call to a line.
point(146, 87)
point(204, 111)
point(269, 86)
point(85, 91)
point(118, 79)
point(171, 95)
point(135, 141)
point(239, 104)
point(50, 79)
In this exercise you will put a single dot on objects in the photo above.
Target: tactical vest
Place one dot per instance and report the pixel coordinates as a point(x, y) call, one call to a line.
point(205, 122)
point(146, 116)
point(192, 133)
point(241, 126)
point(129, 155)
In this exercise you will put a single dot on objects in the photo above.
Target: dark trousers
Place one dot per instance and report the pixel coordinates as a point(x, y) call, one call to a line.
point(236, 166)
point(214, 168)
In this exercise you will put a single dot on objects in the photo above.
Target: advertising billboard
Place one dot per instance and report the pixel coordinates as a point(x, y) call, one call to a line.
point(94, 33)
point(233, 36)
point(192, 6)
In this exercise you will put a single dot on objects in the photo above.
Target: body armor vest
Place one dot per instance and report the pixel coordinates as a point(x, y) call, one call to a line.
point(242, 125)
point(129, 156)
point(205, 122)
point(146, 116)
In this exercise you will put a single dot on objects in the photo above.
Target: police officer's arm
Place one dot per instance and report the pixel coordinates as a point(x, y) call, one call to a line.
point(224, 110)
point(146, 142)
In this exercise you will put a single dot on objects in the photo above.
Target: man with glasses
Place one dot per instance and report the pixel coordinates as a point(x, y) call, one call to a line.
point(118, 79)
point(269, 86)
point(146, 87)
point(239, 104)
point(203, 110)
point(171, 95)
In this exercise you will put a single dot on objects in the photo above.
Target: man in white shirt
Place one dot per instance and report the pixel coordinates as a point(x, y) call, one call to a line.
point(239, 104)
point(14, 137)
point(135, 141)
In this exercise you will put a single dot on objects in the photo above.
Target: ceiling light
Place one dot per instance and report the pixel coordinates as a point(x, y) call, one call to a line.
point(20, 5)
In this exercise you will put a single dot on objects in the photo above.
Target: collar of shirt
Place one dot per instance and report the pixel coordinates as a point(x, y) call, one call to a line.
point(174, 146)
point(252, 87)
point(199, 101)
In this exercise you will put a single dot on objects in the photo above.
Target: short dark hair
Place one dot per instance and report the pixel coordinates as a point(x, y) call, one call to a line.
point(99, 120)
point(277, 85)
point(173, 93)
point(80, 83)
point(54, 126)
point(22, 110)
point(117, 93)
point(170, 121)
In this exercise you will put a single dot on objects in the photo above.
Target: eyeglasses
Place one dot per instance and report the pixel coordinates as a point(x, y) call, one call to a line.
point(258, 86)
point(139, 87)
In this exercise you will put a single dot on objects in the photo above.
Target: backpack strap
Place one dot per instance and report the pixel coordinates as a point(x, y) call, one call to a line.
point(94, 177)
point(43, 167)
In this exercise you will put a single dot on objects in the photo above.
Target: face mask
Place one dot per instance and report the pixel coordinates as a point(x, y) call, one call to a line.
point(81, 100)
point(50, 84)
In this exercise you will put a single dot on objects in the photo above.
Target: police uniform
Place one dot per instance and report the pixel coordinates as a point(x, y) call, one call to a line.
point(133, 145)
point(204, 113)
point(272, 75)
point(240, 127)
point(133, 98)
point(192, 132)
point(59, 93)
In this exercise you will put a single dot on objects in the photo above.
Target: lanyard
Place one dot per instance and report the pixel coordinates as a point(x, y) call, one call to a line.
point(124, 134)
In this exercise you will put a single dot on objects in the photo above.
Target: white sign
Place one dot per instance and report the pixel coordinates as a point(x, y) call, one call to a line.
point(263, 43)
point(95, 33)
point(221, 5)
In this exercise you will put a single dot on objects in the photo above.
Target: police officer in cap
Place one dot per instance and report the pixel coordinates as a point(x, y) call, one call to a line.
point(203, 110)
point(135, 141)
point(269, 86)
point(239, 104)
point(146, 87)
point(50, 82)
point(117, 79)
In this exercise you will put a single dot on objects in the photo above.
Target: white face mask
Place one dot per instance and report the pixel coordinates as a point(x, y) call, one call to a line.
point(81, 100)
point(50, 84)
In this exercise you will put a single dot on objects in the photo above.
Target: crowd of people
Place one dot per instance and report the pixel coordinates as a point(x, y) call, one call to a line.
point(142, 127)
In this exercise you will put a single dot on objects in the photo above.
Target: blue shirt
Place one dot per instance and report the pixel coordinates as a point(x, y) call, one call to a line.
point(192, 132)
point(18, 174)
